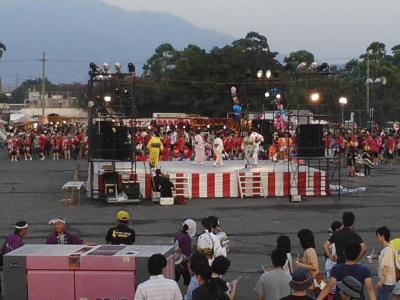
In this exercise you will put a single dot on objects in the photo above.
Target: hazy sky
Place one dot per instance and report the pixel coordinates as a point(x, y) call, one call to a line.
point(333, 30)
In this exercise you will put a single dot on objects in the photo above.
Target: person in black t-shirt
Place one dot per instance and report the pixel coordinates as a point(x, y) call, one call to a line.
point(342, 237)
point(156, 184)
point(207, 290)
point(121, 234)
point(301, 281)
point(219, 267)
point(166, 187)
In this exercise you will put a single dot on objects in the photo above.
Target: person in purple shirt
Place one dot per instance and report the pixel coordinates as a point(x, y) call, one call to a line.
point(15, 240)
point(183, 250)
point(60, 236)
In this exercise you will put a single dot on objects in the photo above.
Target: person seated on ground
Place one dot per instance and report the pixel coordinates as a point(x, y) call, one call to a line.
point(157, 179)
point(207, 289)
point(219, 268)
point(274, 284)
point(195, 261)
point(158, 287)
point(301, 282)
point(166, 187)
point(121, 234)
point(60, 236)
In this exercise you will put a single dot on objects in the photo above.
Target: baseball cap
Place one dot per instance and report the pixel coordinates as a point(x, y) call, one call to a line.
point(123, 215)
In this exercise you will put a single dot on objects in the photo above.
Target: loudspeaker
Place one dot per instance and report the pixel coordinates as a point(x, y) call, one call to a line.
point(265, 128)
point(110, 142)
point(131, 189)
point(310, 141)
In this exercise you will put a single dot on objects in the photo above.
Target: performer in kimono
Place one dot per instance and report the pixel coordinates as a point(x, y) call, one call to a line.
point(199, 149)
point(155, 147)
point(218, 147)
point(247, 147)
point(257, 140)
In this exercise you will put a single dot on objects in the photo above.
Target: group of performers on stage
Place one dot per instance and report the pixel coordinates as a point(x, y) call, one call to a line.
point(251, 146)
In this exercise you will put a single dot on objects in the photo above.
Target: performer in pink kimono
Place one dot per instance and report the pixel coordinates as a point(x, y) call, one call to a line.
point(199, 149)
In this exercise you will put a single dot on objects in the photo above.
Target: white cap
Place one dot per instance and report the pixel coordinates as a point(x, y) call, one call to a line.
point(55, 221)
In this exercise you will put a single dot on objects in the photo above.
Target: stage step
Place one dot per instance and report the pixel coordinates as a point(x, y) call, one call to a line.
point(250, 185)
point(185, 187)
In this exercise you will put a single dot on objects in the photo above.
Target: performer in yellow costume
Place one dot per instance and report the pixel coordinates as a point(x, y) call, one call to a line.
point(155, 147)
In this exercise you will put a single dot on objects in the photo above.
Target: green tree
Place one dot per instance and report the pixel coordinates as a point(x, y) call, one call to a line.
point(297, 57)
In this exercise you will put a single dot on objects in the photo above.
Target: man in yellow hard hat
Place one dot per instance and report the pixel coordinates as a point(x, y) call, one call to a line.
point(121, 234)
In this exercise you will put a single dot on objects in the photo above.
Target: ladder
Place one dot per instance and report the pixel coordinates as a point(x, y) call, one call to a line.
point(182, 186)
point(251, 185)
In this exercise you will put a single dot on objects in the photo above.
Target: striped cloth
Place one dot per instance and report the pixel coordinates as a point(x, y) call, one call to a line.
point(158, 288)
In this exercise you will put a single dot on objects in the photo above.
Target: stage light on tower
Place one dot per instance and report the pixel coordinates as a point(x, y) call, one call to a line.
point(259, 73)
point(278, 96)
point(267, 94)
point(107, 99)
point(342, 100)
point(131, 68)
point(106, 68)
point(315, 97)
point(268, 74)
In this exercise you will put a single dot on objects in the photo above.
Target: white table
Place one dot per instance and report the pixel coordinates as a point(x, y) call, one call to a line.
point(72, 186)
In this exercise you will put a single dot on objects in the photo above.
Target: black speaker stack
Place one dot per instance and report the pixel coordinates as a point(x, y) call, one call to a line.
point(310, 141)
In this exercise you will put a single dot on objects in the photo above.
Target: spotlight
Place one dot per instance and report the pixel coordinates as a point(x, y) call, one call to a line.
point(106, 68)
point(117, 91)
point(278, 96)
point(107, 98)
point(259, 73)
point(314, 97)
point(224, 127)
point(314, 65)
point(118, 67)
point(343, 100)
point(302, 66)
point(268, 74)
point(233, 90)
point(126, 92)
point(208, 126)
point(131, 68)
point(324, 67)
point(94, 68)
point(267, 94)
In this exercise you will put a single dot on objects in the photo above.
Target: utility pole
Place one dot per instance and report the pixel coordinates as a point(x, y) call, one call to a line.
point(43, 60)
point(367, 83)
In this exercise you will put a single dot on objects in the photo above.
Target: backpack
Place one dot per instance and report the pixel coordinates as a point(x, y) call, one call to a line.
point(395, 244)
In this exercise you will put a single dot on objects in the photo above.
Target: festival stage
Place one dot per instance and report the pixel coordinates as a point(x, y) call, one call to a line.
point(232, 180)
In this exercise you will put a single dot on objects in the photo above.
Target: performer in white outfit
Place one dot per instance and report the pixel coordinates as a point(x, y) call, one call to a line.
point(258, 139)
point(247, 148)
point(218, 147)
point(199, 149)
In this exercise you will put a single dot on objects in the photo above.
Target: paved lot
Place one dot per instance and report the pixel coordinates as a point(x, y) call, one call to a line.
point(31, 190)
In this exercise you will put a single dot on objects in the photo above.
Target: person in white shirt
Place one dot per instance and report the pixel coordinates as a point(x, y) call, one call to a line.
point(218, 147)
point(158, 287)
point(386, 265)
point(258, 139)
point(208, 243)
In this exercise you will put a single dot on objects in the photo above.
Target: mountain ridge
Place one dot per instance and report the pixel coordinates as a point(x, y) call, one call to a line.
point(73, 33)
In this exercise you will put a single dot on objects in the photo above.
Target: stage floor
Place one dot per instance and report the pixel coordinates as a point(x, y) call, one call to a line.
point(230, 166)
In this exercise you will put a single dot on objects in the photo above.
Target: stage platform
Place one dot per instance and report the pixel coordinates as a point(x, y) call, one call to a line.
point(232, 180)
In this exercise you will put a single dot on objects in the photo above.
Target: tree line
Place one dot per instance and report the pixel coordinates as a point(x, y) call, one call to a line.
point(194, 80)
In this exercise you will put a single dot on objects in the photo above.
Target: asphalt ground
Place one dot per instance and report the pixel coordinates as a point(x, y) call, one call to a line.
point(31, 190)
